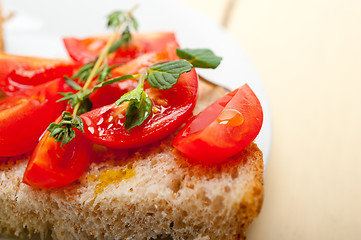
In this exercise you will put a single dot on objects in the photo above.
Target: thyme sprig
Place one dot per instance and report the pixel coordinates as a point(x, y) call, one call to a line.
point(64, 130)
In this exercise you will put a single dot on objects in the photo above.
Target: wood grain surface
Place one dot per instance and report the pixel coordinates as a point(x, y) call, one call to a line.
point(308, 54)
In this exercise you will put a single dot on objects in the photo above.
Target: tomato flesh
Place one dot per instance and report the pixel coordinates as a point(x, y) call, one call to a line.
point(25, 116)
point(18, 73)
point(53, 166)
point(170, 109)
point(85, 50)
point(222, 129)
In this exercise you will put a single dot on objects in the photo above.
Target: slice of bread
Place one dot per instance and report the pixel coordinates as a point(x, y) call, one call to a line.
point(148, 193)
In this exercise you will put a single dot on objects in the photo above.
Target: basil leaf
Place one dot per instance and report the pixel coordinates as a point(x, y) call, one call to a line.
point(133, 96)
point(164, 76)
point(200, 58)
point(138, 112)
point(139, 108)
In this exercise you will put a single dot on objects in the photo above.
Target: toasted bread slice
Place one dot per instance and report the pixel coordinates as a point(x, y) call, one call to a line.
point(139, 194)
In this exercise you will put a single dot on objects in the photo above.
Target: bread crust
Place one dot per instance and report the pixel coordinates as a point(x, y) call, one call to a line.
point(137, 194)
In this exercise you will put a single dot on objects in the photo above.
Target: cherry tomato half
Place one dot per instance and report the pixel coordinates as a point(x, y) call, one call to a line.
point(170, 109)
point(25, 116)
point(85, 50)
point(19, 73)
point(53, 166)
point(222, 129)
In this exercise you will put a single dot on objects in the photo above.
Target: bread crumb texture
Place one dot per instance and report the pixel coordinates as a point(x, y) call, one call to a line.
point(146, 194)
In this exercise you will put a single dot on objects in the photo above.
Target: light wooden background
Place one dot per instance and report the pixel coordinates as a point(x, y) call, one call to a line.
point(308, 54)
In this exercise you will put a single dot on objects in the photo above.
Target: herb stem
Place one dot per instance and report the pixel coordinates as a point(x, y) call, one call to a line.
point(142, 79)
point(103, 55)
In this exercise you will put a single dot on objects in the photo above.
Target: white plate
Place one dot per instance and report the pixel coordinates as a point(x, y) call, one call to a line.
point(38, 26)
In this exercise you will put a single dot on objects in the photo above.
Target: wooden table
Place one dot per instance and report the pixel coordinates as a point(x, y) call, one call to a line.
point(308, 54)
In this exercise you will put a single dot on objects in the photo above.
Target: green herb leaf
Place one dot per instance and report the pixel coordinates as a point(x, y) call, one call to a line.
point(135, 95)
point(115, 18)
point(165, 75)
point(116, 45)
point(139, 108)
point(104, 73)
point(64, 130)
point(138, 111)
point(82, 96)
point(134, 23)
point(67, 96)
point(126, 36)
point(72, 84)
point(85, 106)
point(130, 24)
point(111, 81)
point(123, 41)
point(84, 72)
point(200, 58)
point(75, 98)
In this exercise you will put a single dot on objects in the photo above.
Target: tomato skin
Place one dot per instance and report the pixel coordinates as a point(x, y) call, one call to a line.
point(85, 50)
point(222, 129)
point(18, 73)
point(105, 125)
point(53, 166)
point(25, 116)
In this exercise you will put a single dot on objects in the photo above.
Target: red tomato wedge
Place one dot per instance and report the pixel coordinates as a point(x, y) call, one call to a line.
point(19, 72)
point(25, 116)
point(170, 109)
point(222, 129)
point(110, 93)
point(53, 166)
point(85, 50)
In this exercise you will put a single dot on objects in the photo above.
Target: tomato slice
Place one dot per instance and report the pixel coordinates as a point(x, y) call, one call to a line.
point(222, 129)
point(85, 50)
point(19, 72)
point(25, 116)
point(53, 166)
point(170, 109)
